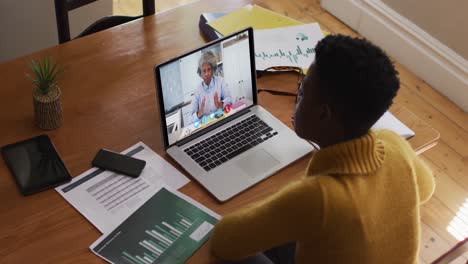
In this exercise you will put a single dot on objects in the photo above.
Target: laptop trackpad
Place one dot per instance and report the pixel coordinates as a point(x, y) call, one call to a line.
point(256, 163)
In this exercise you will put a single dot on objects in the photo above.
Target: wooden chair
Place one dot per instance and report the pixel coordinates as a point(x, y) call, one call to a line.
point(62, 7)
point(457, 251)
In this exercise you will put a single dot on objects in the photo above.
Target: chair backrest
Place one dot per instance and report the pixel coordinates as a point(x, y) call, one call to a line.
point(455, 252)
point(62, 7)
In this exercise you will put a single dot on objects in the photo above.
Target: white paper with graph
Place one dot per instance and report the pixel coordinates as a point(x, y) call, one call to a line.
point(168, 228)
point(106, 198)
point(286, 46)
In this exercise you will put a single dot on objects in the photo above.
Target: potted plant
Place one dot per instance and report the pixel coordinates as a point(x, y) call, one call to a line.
point(46, 93)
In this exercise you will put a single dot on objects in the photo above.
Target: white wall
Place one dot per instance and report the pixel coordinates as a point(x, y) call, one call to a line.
point(27, 26)
point(237, 75)
point(445, 20)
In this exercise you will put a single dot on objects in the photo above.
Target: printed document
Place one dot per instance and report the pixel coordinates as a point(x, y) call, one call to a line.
point(106, 198)
point(168, 228)
point(286, 46)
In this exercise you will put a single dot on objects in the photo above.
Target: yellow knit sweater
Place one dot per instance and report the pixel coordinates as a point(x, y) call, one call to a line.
point(358, 203)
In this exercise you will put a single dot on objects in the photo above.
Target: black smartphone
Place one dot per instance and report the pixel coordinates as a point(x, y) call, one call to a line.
point(120, 163)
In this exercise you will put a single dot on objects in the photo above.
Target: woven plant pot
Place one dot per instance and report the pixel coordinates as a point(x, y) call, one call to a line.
point(48, 108)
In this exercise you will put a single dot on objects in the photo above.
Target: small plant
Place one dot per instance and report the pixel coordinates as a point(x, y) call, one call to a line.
point(45, 74)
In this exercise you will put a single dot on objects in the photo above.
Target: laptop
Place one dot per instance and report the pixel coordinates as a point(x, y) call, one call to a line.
point(211, 122)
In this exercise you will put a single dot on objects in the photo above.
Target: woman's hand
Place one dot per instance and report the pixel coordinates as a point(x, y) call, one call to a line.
point(217, 103)
point(202, 108)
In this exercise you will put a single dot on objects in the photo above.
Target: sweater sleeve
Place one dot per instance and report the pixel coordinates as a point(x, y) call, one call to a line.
point(272, 222)
point(424, 180)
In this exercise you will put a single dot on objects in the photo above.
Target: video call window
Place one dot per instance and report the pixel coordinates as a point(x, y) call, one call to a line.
point(206, 86)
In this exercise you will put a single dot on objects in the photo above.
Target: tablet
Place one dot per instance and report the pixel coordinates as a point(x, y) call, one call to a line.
point(35, 164)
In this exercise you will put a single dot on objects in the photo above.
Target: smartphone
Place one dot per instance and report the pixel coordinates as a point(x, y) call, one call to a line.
point(120, 163)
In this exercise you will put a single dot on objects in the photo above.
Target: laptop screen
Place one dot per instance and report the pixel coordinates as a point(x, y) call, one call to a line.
point(206, 86)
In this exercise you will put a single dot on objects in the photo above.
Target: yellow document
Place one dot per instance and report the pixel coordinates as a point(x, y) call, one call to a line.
point(251, 16)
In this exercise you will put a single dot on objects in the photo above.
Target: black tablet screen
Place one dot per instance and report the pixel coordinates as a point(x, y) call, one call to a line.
point(35, 164)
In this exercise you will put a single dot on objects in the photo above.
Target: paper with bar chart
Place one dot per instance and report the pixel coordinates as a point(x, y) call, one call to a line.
point(168, 228)
point(286, 46)
point(107, 198)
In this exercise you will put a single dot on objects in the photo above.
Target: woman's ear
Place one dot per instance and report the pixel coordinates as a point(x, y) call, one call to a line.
point(325, 112)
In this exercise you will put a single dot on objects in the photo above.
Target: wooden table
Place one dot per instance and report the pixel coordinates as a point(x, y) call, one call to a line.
point(109, 101)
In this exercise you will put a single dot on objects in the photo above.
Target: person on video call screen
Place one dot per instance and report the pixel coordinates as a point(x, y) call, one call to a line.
point(212, 93)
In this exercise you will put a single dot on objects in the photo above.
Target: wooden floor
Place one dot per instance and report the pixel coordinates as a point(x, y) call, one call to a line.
point(448, 160)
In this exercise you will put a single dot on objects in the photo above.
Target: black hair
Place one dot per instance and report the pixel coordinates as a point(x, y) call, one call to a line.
point(357, 78)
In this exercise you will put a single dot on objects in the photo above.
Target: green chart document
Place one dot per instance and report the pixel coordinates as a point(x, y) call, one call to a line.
point(168, 228)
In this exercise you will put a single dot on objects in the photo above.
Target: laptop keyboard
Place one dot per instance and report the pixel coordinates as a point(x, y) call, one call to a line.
point(230, 142)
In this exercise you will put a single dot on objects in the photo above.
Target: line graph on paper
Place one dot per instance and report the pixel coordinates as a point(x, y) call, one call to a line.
point(287, 46)
point(293, 56)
